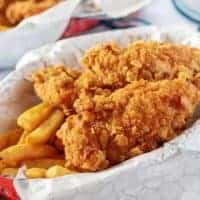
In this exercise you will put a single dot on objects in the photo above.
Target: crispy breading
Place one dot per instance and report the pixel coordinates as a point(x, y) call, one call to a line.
point(55, 86)
point(19, 10)
point(110, 66)
point(101, 67)
point(135, 119)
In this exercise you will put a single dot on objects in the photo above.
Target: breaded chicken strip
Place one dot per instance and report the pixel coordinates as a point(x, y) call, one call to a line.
point(55, 85)
point(19, 10)
point(138, 118)
point(109, 66)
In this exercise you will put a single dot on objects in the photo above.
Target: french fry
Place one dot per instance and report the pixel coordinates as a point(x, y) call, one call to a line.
point(23, 137)
point(10, 138)
point(56, 171)
point(43, 163)
point(2, 165)
point(35, 173)
point(9, 172)
point(44, 132)
point(34, 116)
point(15, 154)
point(4, 28)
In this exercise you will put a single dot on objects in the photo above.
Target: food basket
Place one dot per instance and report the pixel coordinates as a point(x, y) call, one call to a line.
point(170, 172)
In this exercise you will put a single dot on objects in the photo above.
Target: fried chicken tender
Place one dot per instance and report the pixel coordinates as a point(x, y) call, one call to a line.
point(19, 10)
point(138, 118)
point(126, 102)
point(55, 86)
point(110, 66)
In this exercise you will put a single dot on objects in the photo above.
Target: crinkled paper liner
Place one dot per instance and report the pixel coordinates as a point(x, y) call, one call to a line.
point(168, 173)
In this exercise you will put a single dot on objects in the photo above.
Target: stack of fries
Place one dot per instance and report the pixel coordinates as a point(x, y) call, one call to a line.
point(34, 144)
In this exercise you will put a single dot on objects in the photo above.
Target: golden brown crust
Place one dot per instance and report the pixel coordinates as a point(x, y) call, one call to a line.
point(55, 85)
point(108, 65)
point(140, 116)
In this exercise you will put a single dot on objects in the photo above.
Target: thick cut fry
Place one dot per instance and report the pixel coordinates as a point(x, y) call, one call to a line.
point(43, 163)
point(14, 136)
point(9, 138)
point(9, 172)
point(34, 116)
point(35, 173)
point(56, 171)
point(23, 137)
point(18, 153)
point(44, 132)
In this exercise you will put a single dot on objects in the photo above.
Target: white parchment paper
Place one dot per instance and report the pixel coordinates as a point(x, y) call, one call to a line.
point(168, 173)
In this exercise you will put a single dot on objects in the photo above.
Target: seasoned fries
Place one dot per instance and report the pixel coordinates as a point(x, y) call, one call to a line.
point(33, 117)
point(35, 173)
point(34, 144)
point(43, 133)
point(15, 154)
